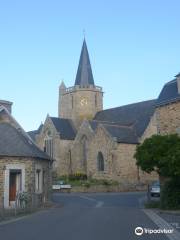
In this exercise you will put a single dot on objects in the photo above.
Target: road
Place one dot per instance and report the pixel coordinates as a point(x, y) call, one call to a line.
point(101, 216)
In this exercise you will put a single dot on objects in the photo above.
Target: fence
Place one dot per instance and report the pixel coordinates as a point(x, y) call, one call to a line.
point(24, 203)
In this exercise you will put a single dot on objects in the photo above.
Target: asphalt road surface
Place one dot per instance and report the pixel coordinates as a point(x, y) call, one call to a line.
point(101, 216)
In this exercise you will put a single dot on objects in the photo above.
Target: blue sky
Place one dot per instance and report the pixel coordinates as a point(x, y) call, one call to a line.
point(134, 49)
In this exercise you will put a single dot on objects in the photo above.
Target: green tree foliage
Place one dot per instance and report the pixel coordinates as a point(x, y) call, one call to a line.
point(170, 194)
point(160, 154)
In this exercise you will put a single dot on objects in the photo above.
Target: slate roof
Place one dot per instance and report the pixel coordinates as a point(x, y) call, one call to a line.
point(15, 144)
point(125, 124)
point(130, 121)
point(169, 94)
point(84, 74)
point(122, 134)
point(64, 127)
point(33, 134)
point(94, 124)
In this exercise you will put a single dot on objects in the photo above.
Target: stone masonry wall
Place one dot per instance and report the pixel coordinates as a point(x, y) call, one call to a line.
point(151, 128)
point(118, 158)
point(101, 142)
point(29, 164)
point(72, 105)
point(120, 165)
point(168, 118)
point(86, 132)
point(61, 148)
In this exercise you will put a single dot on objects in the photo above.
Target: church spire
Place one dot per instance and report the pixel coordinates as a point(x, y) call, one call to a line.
point(84, 74)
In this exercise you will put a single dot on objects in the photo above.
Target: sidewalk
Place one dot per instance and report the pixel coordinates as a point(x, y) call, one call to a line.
point(172, 217)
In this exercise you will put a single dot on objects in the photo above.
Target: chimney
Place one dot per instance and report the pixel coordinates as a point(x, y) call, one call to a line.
point(7, 105)
point(178, 82)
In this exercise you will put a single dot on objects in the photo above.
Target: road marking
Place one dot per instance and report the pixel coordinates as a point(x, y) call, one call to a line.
point(161, 223)
point(88, 198)
point(99, 204)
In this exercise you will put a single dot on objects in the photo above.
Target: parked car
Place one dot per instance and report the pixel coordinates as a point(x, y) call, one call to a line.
point(61, 185)
point(57, 185)
point(155, 189)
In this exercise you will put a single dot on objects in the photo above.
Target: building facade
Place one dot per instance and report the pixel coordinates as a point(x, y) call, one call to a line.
point(84, 138)
point(24, 168)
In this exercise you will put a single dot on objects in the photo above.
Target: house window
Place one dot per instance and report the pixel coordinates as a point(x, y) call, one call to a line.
point(44, 177)
point(100, 162)
point(39, 179)
point(48, 147)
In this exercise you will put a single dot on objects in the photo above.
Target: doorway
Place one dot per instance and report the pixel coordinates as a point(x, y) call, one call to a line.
point(15, 185)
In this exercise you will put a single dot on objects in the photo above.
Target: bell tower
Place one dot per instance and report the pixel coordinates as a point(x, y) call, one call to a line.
point(84, 99)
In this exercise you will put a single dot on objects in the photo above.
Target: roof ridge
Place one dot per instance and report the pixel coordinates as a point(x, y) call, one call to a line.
point(127, 105)
point(61, 118)
point(119, 126)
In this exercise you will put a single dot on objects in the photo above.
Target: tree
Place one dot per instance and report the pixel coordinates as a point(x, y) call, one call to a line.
point(161, 154)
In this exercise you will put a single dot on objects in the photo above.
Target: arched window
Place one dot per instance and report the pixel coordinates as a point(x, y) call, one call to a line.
point(84, 152)
point(70, 161)
point(48, 143)
point(48, 146)
point(100, 162)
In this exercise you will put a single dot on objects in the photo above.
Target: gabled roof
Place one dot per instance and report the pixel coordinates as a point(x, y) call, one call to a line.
point(64, 127)
point(136, 115)
point(33, 134)
point(84, 74)
point(13, 121)
point(169, 94)
point(14, 143)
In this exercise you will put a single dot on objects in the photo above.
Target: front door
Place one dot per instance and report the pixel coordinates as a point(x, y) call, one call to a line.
point(12, 187)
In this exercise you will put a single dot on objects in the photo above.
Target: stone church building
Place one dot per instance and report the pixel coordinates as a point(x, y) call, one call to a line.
point(84, 138)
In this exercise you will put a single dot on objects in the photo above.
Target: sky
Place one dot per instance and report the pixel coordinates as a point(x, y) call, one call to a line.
point(134, 48)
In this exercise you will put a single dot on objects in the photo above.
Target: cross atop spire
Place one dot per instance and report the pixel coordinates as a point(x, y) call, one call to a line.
point(84, 74)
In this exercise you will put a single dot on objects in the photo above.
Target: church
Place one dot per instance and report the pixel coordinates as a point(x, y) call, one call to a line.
point(86, 139)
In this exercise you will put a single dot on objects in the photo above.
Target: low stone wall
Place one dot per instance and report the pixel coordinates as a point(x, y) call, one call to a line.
point(103, 188)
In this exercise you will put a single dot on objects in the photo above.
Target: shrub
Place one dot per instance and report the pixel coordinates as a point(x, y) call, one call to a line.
point(106, 182)
point(87, 184)
point(63, 178)
point(170, 194)
point(77, 176)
